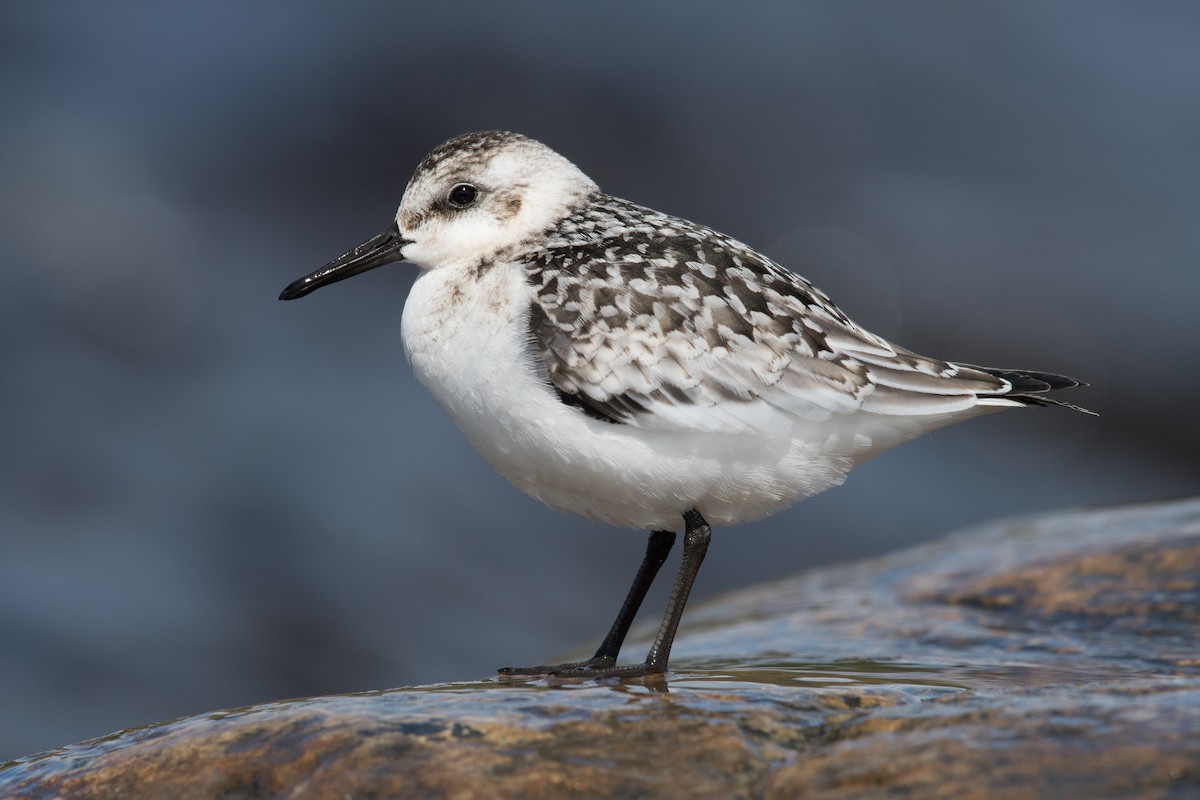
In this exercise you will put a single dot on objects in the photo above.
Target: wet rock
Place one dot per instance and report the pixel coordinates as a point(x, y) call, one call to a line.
point(1048, 657)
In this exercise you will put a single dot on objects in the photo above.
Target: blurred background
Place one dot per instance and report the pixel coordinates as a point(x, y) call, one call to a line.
point(210, 498)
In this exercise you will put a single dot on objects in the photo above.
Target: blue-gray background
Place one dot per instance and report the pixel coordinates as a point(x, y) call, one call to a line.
point(210, 498)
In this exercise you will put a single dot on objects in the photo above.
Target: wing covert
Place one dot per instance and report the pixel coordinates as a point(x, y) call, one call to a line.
point(653, 321)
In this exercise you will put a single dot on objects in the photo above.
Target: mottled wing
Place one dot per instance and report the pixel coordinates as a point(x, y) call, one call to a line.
point(656, 322)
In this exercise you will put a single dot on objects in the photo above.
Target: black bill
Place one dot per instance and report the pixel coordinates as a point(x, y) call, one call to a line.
point(386, 248)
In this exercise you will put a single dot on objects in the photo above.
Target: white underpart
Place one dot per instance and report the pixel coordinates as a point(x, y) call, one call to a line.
point(468, 348)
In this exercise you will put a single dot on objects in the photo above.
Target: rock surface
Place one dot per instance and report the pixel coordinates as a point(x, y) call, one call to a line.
point(1049, 657)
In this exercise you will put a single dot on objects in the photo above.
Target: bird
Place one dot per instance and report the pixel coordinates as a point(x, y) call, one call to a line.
point(635, 368)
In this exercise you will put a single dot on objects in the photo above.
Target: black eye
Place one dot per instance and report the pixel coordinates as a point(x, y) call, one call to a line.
point(462, 195)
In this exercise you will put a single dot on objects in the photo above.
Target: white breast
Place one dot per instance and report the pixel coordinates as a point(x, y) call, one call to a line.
point(466, 337)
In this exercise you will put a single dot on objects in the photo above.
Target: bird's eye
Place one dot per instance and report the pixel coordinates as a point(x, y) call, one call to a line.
point(462, 195)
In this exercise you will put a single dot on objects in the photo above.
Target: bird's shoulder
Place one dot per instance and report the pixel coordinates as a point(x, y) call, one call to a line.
point(648, 319)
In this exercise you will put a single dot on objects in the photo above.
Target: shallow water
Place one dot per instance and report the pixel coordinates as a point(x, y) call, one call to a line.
point(890, 657)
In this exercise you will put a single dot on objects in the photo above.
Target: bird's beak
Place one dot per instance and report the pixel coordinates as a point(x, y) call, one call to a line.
point(386, 248)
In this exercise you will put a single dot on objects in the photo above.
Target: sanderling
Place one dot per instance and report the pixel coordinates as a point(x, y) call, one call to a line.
point(633, 367)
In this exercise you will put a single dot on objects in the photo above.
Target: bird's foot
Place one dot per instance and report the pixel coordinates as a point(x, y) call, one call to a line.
point(595, 667)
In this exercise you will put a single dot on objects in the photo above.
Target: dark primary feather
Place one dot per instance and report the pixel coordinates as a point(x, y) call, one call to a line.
point(1027, 386)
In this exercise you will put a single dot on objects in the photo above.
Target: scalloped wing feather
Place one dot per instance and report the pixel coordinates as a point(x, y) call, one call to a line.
point(660, 323)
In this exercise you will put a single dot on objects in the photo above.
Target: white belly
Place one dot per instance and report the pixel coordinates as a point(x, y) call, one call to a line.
point(466, 338)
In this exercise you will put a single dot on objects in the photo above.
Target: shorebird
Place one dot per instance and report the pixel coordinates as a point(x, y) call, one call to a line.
point(634, 368)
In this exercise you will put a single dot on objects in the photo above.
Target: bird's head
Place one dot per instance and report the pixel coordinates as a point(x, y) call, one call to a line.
point(468, 200)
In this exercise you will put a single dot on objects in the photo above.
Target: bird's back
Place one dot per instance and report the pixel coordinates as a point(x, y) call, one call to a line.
point(649, 320)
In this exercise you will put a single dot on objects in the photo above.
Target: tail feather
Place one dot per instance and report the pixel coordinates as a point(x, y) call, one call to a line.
point(1027, 387)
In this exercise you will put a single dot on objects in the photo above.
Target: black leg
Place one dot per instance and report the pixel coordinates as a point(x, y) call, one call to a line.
point(601, 665)
point(695, 545)
point(657, 549)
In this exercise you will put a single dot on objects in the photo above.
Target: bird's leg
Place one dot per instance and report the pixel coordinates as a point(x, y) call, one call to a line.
point(657, 549)
point(695, 545)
